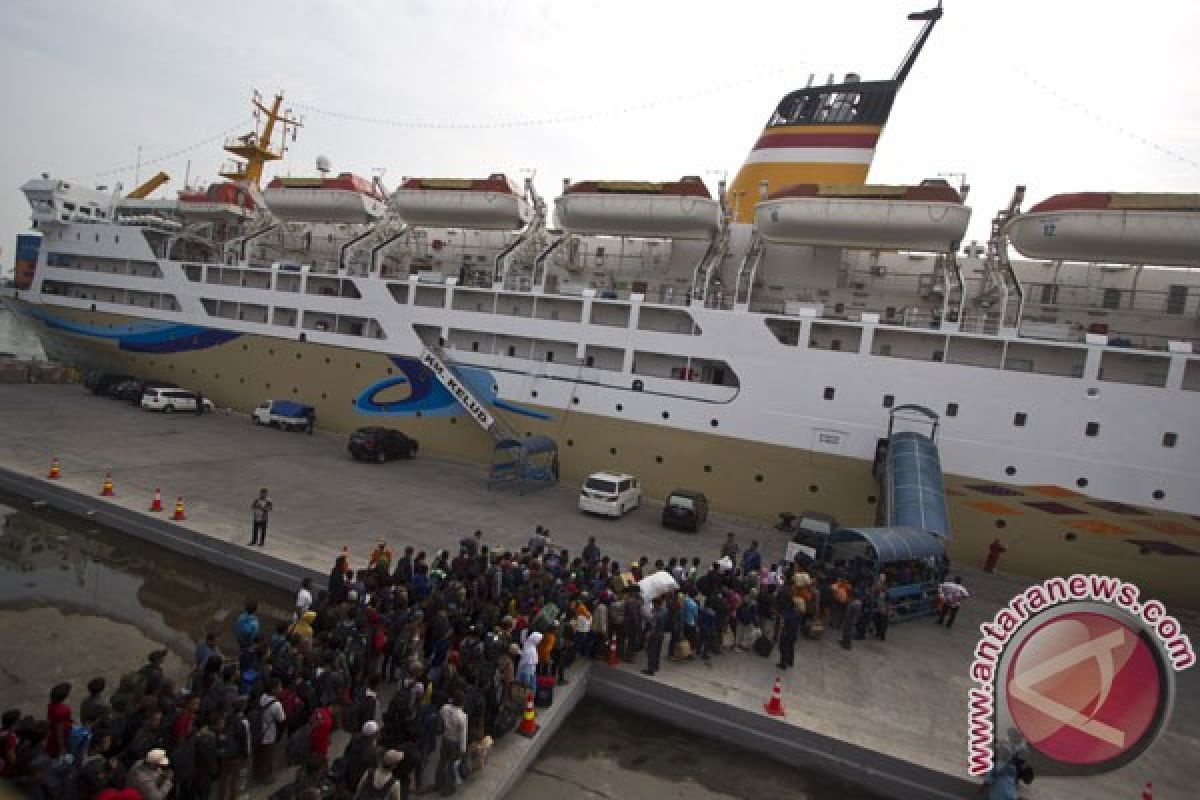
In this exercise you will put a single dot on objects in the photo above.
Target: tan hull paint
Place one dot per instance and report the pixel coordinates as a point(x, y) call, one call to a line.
point(242, 373)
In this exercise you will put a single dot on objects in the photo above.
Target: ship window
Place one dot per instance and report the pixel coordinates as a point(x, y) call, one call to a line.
point(666, 415)
point(1177, 295)
point(1092, 429)
point(570, 442)
point(708, 467)
point(620, 407)
point(888, 400)
point(1020, 418)
point(1112, 298)
point(952, 409)
point(69, 206)
point(1081, 482)
point(835, 344)
point(829, 392)
point(474, 347)
point(612, 451)
point(512, 351)
point(814, 488)
point(549, 356)
point(533, 393)
point(1159, 494)
point(713, 423)
point(1010, 471)
point(658, 459)
point(1170, 439)
point(575, 400)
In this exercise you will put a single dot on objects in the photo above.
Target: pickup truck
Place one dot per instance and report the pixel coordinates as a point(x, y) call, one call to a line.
point(286, 414)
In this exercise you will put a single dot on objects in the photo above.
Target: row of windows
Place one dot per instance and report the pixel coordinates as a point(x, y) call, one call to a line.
point(1020, 418)
point(1082, 483)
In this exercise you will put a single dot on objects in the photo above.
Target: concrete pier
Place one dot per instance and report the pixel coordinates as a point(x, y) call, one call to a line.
point(888, 715)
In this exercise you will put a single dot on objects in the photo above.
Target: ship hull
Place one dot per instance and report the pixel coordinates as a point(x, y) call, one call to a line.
point(1049, 529)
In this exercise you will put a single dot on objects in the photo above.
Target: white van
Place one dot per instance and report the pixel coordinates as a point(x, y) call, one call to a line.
point(610, 493)
point(168, 400)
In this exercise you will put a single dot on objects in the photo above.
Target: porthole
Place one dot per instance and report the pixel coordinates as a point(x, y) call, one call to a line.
point(666, 415)
point(758, 478)
point(357, 365)
point(1010, 471)
point(1081, 482)
point(575, 401)
point(270, 351)
point(658, 459)
point(812, 487)
point(247, 347)
point(323, 396)
point(713, 423)
point(1159, 494)
point(1069, 536)
point(267, 385)
point(1170, 439)
point(570, 442)
point(299, 356)
point(389, 370)
point(1000, 523)
point(708, 467)
point(193, 370)
point(829, 392)
point(295, 390)
point(612, 451)
point(327, 359)
point(533, 393)
point(888, 400)
point(1093, 392)
point(242, 380)
point(1092, 429)
point(620, 407)
point(454, 420)
point(952, 409)
point(872, 500)
point(1019, 419)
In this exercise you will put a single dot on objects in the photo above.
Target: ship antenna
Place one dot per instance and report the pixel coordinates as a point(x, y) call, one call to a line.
point(930, 16)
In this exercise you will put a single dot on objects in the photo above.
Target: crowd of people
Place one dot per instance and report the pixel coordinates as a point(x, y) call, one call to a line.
point(424, 661)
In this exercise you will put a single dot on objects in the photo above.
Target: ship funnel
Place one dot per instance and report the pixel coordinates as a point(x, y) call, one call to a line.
point(823, 134)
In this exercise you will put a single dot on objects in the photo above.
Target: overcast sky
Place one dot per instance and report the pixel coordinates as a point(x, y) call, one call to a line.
point(1060, 95)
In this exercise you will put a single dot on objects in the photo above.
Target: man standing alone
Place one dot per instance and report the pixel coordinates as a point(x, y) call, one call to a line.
point(656, 628)
point(262, 507)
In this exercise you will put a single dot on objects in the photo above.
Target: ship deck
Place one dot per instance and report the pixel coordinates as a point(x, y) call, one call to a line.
point(898, 706)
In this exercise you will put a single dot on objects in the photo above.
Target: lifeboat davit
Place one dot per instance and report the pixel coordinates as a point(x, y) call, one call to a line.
point(682, 209)
point(491, 203)
point(1111, 227)
point(219, 201)
point(929, 217)
point(345, 198)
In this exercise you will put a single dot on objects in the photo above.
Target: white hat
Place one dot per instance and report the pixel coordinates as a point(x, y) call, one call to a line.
point(370, 727)
point(158, 757)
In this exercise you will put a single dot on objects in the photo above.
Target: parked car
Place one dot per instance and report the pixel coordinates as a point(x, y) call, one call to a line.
point(380, 444)
point(125, 389)
point(685, 509)
point(176, 399)
point(610, 493)
point(286, 414)
point(134, 393)
point(99, 382)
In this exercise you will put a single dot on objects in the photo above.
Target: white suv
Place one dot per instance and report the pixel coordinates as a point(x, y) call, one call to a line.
point(168, 400)
point(610, 493)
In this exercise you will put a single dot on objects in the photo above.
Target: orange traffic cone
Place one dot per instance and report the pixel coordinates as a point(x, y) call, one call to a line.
point(55, 473)
point(528, 726)
point(178, 515)
point(107, 489)
point(156, 505)
point(612, 651)
point(775, 707)
point(1148, 791)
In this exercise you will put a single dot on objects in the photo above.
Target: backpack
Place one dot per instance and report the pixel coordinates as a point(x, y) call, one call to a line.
point(370, 792)
point(130, 691)
point(299, 744)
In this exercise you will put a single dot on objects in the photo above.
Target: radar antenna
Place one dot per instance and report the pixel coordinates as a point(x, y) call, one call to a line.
point(931, 17)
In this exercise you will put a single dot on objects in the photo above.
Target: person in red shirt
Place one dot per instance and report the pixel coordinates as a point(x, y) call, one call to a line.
point(993, 556)
point(58, 714)
point(323, 728)
point(8, 742)
point(182, 727)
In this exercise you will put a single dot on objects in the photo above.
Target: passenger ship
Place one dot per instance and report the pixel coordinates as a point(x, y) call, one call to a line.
point(753, 345)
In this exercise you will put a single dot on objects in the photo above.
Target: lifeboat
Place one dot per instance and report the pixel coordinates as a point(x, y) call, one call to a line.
point(928, 217)
point(1161, 229)
point(345, 198)
point(682, 209)
point(219, 201)
point(490, 203)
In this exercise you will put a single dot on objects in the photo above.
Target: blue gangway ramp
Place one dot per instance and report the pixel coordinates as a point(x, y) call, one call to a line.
point(916, 497)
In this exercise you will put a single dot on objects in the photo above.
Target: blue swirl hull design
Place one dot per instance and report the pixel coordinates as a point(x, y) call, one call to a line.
point(141, 337)
point(427, 397)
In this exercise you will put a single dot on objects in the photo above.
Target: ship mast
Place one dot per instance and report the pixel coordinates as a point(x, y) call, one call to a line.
point(256, 147)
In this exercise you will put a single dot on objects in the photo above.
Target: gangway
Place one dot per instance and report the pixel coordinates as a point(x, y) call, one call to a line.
point(911, 474)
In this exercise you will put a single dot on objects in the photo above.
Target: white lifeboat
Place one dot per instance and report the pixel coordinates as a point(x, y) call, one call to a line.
point(682, 209)
point(346, 198)
point(1161, 229)
point(490, 203)
point(929, 217)
point(221, 201)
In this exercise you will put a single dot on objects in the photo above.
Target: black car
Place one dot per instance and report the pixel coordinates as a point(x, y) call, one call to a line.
point(103, 382)
point(685, 509)
point(380, 444)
